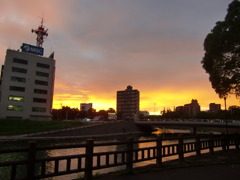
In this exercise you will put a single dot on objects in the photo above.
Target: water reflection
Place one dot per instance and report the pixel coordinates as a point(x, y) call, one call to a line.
point(164, 131)
point(5, 172)
point(78, 151)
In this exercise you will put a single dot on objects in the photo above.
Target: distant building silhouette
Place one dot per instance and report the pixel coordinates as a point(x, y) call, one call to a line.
point(85, 106)
point(180, 109)
point(127, 103)
point(144, 113)
point(214, 107)
point(192, 109)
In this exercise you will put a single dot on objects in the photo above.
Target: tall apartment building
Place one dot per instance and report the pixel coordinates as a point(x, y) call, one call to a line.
point(127, 103)
point(214, 107)
point(27, 82)
point(192, 109)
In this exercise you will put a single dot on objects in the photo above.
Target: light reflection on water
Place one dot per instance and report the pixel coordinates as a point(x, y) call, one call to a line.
point(74, 162)
point(169, 131)
point(98, 149)
point(78, 151)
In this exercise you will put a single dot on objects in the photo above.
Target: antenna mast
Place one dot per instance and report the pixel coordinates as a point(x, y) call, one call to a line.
point(41, 33)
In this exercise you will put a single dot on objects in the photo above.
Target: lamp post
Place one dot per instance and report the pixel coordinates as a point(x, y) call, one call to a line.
point(225, 104)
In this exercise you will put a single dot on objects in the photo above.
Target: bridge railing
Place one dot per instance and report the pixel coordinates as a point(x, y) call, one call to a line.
point(131, 152)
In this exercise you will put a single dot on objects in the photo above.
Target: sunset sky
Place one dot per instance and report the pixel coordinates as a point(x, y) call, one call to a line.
point(102, 46)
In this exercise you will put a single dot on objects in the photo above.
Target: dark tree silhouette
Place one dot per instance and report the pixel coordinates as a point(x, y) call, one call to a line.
point(222, 53)
point(111, 110)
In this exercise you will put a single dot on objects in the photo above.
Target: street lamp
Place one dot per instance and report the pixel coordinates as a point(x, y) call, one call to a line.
point(225, 104)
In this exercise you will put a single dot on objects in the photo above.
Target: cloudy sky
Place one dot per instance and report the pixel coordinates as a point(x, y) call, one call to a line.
point(101, 46)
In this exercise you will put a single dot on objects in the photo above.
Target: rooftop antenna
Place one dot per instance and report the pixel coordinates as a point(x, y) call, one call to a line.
point(41, 32)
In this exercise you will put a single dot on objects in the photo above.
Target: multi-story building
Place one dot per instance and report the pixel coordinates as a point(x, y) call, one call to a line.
point(179, 109)
point(192, 109)
point(127, 103)
point(214, 107)
point(27, 83)
point(85, 106)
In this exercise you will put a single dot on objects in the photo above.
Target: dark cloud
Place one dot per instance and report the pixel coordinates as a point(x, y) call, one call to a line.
point(103, 46)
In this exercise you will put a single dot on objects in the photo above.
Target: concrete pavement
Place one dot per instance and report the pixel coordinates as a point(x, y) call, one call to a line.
point(219, 166)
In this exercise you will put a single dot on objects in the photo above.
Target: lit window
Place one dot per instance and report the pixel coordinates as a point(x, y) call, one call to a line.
point(14, 108)
point(15, 98)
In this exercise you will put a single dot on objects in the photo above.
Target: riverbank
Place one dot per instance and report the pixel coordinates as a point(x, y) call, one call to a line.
point(92, 130)
point(19, 127)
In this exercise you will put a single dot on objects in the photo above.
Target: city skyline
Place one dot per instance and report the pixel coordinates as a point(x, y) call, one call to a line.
point(101, 47)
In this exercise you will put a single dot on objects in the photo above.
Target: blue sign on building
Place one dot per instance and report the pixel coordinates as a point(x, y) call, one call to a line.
point(32, 49)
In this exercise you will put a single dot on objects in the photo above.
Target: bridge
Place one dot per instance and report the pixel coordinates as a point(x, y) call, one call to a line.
point(191, 123)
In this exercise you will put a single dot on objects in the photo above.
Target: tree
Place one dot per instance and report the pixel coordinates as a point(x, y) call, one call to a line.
point(111, 110)
point(91, 113)
point(65, 113)
point(222, 53)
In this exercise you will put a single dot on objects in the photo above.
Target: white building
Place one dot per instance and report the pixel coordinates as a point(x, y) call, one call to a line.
point(27, 83)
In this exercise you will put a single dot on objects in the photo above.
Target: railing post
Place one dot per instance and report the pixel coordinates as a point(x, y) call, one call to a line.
point(237, 141)
point(211, 143)
point(198, 145)
point(223, 137)
point(180, 147)
point(89, 159)
point(159, 151)
point(31, 160)
point(228, 137)
point(129, 155)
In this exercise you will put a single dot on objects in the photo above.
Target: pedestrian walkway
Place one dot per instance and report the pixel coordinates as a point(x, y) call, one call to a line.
point(219, 166)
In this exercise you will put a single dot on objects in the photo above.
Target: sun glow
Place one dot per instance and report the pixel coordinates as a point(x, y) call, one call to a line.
point(151, 101)
point(74, 101)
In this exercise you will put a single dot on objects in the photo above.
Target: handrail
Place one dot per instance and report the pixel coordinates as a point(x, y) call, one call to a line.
point(131, 154)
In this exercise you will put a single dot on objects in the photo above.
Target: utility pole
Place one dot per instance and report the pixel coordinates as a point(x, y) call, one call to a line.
point(225, 104)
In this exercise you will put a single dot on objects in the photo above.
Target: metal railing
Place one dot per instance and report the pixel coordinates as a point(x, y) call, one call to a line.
point(87, 162)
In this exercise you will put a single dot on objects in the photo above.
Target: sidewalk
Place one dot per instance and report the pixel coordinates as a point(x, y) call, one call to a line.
point(219, 166)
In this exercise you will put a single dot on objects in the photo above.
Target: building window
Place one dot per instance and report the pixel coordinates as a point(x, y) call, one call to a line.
point(39, 100)
point(44, 83)
point(43, 74)
point(40, 91)
point(15, 98)
point(18, 79)
point(14, 108)
point(20, 61)
point(19, 70)
point(39, 109)
point(16, 88)
point(41, 65)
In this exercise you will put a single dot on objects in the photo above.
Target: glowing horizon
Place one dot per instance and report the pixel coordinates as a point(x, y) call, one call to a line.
point(102, 47)
point(154, 105)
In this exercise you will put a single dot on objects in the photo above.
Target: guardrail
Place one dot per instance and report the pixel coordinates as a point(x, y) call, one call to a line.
point(132, 153)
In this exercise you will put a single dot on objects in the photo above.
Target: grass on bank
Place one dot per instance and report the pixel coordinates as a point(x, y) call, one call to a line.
point(16, 127)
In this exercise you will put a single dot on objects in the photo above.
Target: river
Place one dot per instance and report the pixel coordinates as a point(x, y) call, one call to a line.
point(74, 151)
